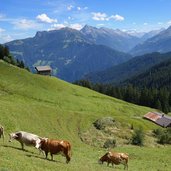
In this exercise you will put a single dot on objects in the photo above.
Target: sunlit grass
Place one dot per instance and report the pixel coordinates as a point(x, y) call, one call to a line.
point(53, 108)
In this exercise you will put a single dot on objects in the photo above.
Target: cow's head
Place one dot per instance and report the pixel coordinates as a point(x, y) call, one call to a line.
point(12, 136)
point(104, 158)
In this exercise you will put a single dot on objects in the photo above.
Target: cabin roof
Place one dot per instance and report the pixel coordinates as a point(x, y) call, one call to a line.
point(43, 68)
point(158, 118)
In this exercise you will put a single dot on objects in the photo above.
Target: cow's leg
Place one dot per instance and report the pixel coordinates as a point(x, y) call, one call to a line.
point(22, 145)
point(51, 156)
point(46, 154)
point(41, 151)
point(3, 137)
point(66, 154)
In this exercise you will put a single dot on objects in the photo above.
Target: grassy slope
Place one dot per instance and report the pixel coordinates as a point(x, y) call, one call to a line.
point(53, 108)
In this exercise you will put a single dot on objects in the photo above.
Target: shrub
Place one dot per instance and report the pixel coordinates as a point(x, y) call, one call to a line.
point(104, 122)
point(110, 143)
point(138, 137)
point(163, 135)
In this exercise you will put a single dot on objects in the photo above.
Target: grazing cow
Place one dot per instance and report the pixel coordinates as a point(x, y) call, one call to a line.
point(55, 147)
point(24, 138)
point(2, 132)
point(115, 158)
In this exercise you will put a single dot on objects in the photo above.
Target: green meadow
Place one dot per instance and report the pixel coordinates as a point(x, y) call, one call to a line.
point(53, 108)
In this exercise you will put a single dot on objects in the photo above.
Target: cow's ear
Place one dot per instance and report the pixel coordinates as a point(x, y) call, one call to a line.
point(16, 136)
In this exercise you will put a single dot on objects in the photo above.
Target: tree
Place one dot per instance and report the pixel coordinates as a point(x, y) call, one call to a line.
point(6, 51)
point(1, 52)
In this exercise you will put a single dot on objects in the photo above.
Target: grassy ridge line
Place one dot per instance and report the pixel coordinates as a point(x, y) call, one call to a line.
point(53, 108)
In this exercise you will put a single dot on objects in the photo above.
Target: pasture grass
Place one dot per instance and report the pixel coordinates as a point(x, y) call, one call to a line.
point(53, 108)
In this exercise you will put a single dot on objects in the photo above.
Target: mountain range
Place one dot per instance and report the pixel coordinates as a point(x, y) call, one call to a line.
point(72, 54)
point(161, 42)
point(69, 52)
point(116, 39)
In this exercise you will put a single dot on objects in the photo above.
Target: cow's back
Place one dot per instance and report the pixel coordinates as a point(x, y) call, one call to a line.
point(27, 138)
point(57, 146)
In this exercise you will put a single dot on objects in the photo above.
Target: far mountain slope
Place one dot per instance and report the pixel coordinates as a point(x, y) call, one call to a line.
point(159, 76)
point(128, 69)
point(159, 43)
point(116, 39)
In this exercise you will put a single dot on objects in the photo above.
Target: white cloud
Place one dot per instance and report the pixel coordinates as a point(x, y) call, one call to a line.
point(85, 8)
point(57, 26)
point(2, 30)
point(104, 17)
point(44, 18)
point(4, 36)
point(76, 26)
point(78, 8)
point(70, 7)
point(116, 17)
point(2, 16)
point(100, 25)
point(25, 24)
point(169, 22)
point(145, 24)
point(99, 16)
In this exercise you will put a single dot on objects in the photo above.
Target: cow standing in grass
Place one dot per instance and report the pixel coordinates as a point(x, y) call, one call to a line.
point(115, 158)
point(2, 132)
point(55, 147)
point(25, 138)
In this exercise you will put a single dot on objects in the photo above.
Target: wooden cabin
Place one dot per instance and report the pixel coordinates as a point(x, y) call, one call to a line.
point(43, 70)
point(159, 119)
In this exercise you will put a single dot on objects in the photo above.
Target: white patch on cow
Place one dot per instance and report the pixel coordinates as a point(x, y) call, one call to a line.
point(44, 138)
point(38, 143)
point(61, 142)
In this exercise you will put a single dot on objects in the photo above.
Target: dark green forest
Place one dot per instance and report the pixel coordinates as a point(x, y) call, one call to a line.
point(7, 57)
point(159, 98)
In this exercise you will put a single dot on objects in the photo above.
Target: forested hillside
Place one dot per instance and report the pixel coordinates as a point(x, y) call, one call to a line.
point(126, 70)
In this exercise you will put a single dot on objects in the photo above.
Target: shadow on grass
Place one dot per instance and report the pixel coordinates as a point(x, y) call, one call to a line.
point(17, 148)
point(43, 158)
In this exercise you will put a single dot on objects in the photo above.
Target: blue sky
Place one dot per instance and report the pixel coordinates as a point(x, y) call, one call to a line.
point(21, 18)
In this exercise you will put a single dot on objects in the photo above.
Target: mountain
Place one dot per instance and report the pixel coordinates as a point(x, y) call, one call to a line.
point(158, 43)
point(159, 76)
point(69, 52)
point(151, 34)
point(116, 39)
point(135, 33)
point(128, 69)
point(144, 35)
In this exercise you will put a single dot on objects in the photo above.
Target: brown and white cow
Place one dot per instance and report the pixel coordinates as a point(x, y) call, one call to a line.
point(55, 147)
point(115, 158)
point(2, 132)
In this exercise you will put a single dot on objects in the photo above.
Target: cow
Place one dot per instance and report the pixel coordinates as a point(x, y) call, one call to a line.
point(115, 158)
point(2, 132)
point(55, 147)
point(24, 138)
